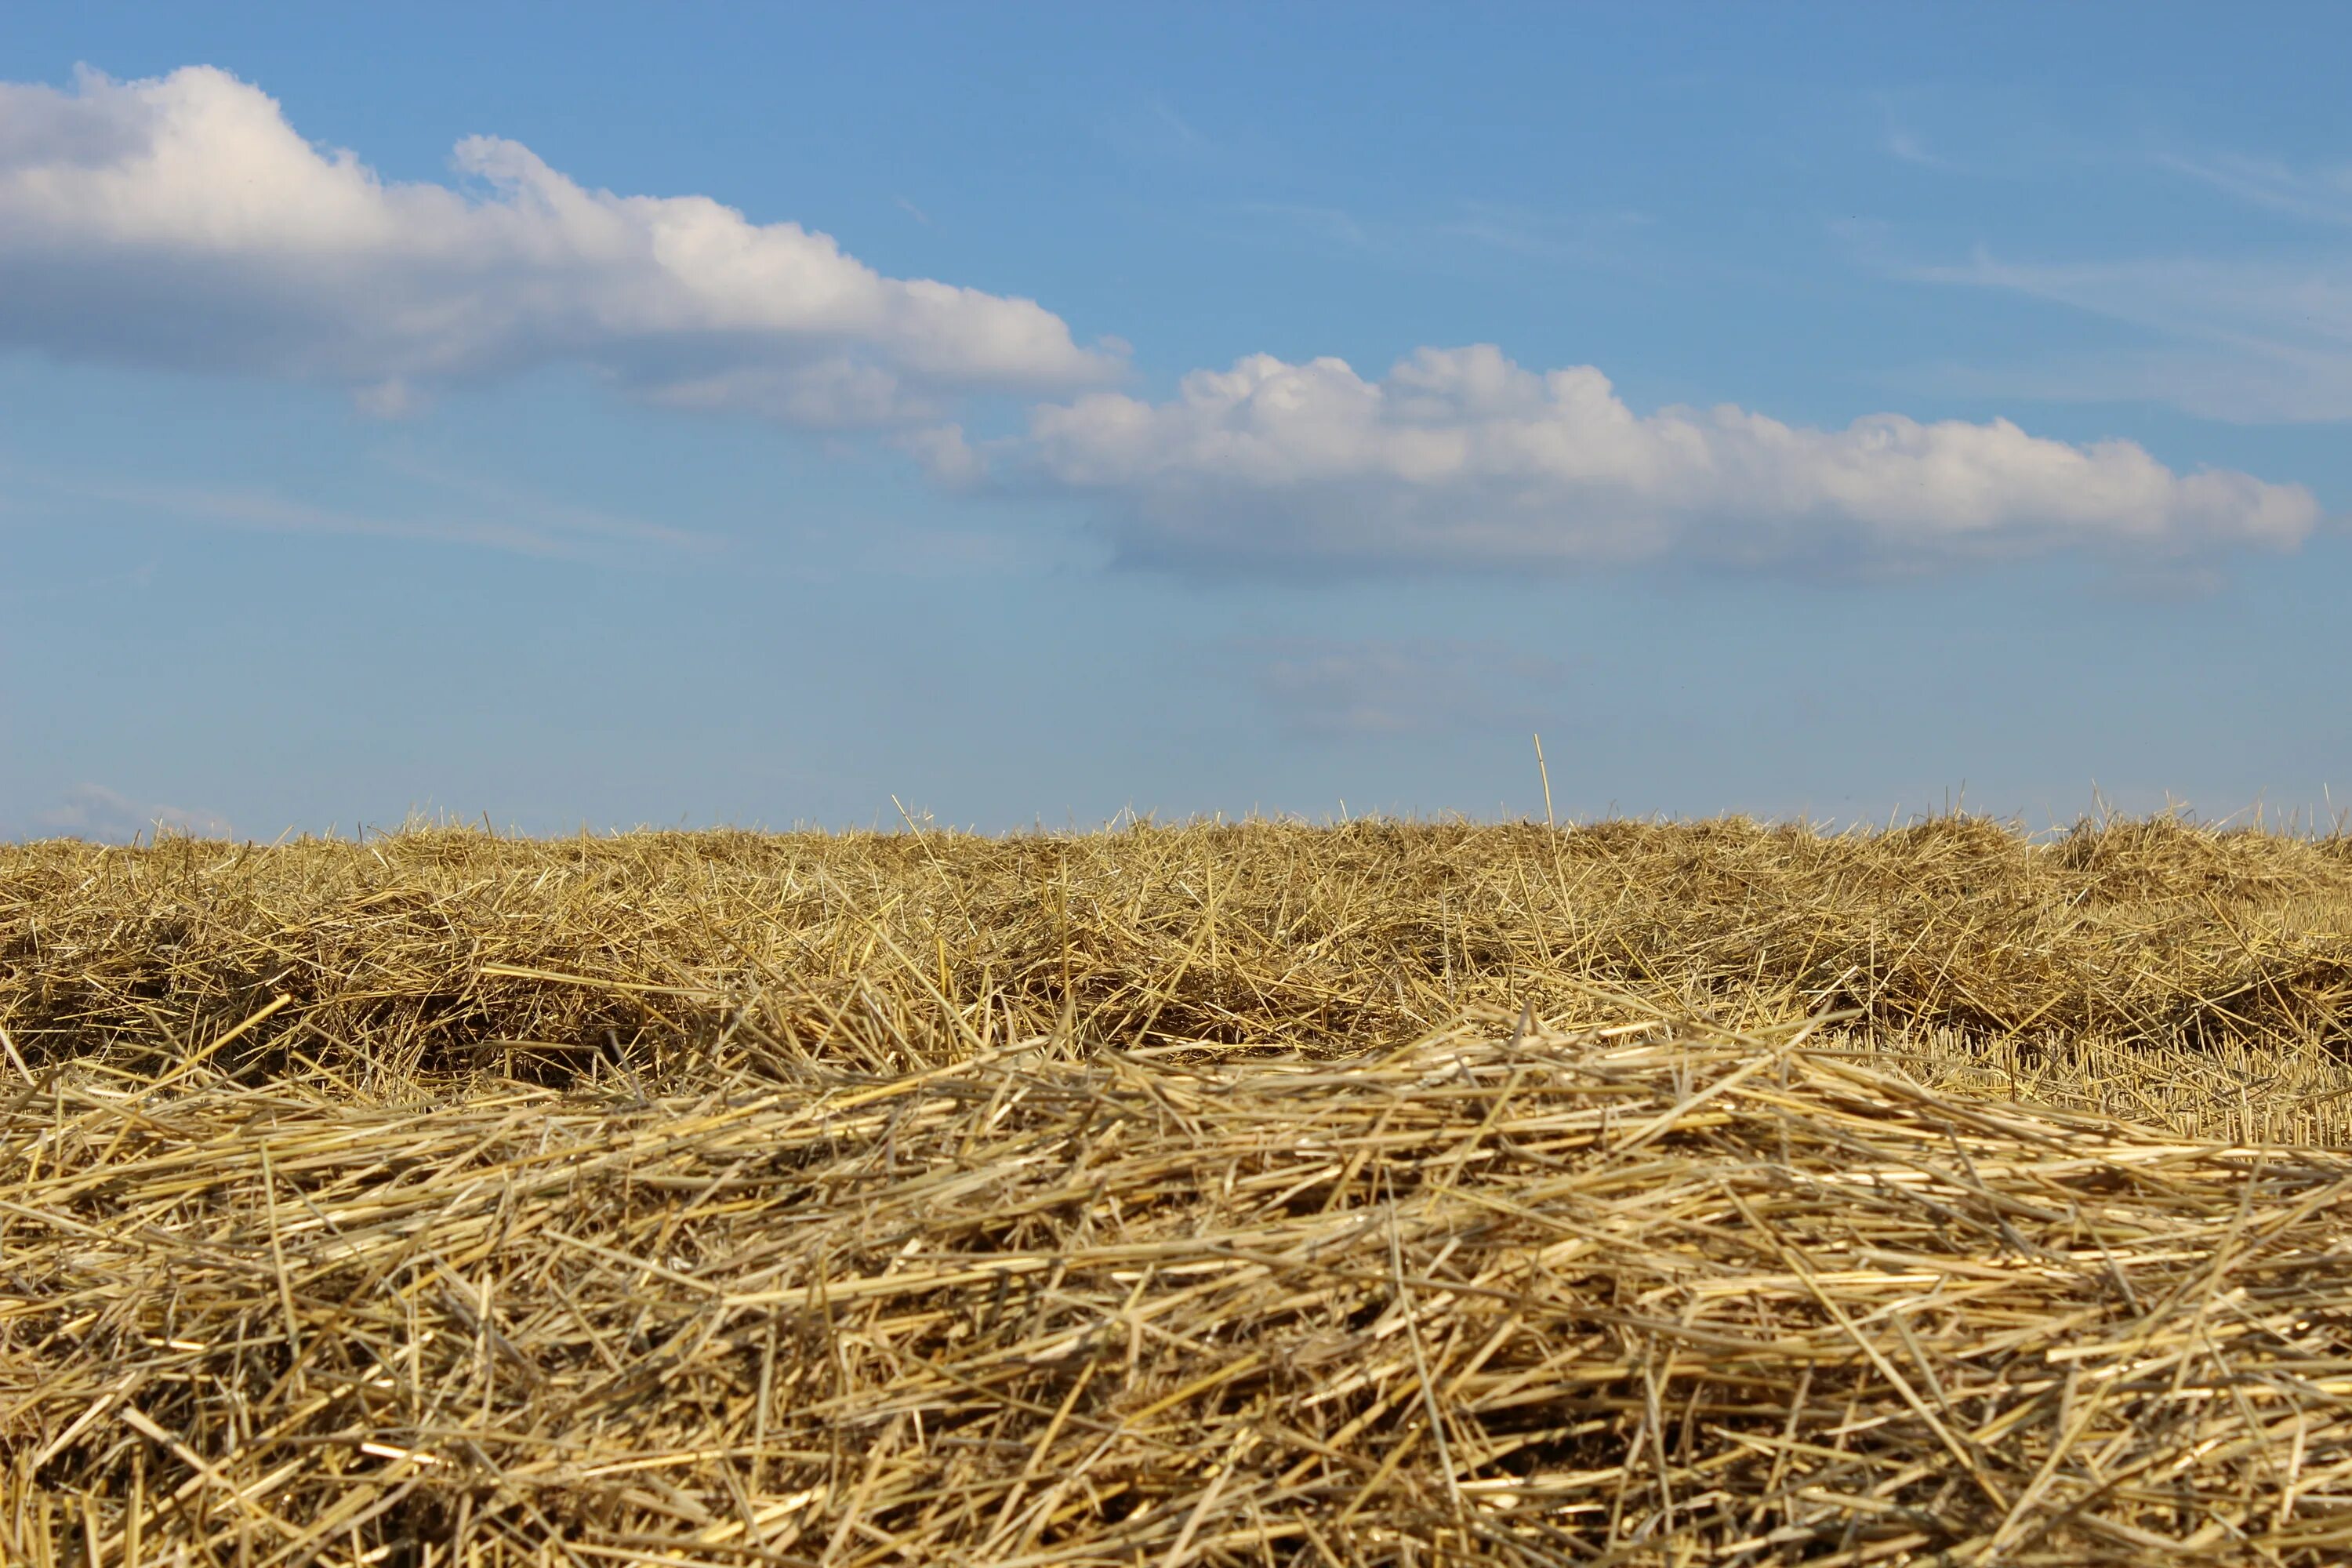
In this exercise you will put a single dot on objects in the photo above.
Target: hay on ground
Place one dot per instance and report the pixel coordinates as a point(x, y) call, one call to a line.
point(1176, 1197)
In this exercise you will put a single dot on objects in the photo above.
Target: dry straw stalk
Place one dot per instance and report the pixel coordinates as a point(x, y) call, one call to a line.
point(1225, 1195)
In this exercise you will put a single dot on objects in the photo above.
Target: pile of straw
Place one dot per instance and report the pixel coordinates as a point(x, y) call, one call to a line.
point(2158, 970)
point(1643, 1294)
point(1213, 1195)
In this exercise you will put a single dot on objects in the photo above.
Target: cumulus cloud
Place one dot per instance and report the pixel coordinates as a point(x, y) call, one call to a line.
point(101, 815)
point(183, 222)
point(1459, 457)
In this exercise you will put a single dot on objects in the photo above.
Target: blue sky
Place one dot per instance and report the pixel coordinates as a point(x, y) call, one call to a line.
point(633, 415)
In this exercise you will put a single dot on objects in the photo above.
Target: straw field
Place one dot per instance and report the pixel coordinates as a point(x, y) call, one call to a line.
point(1233, 1194)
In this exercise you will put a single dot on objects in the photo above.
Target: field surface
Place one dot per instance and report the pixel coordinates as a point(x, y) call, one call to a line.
point(1262, 1194)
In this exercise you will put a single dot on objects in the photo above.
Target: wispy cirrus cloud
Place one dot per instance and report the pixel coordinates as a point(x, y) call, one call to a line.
point(1446, 241)
point(2247, 341)
point(2321, 195)
point(2255, 332)
point(447, 507)
point(181, 221)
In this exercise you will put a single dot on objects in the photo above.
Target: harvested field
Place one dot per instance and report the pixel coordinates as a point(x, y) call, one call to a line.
point(1398, 1194)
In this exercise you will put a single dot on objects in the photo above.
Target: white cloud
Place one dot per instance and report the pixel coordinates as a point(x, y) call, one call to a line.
point(183, 222)
point(1460, 457)
point(101, 815)
point(946, 456)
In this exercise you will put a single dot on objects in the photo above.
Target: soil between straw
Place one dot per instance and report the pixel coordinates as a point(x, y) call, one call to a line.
point(1184, 1196)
